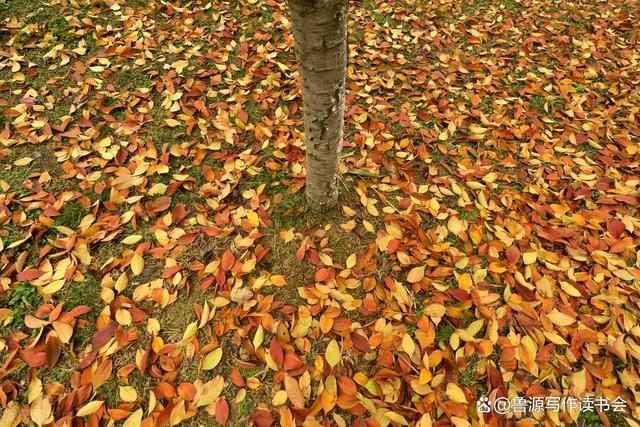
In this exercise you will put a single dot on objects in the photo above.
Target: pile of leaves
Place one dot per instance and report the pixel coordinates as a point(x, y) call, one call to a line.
point(158, 265)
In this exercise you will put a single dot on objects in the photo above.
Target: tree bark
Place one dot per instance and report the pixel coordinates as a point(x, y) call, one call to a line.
point(320, 34)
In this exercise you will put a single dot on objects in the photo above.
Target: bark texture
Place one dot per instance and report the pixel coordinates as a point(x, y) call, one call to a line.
point(320, 34)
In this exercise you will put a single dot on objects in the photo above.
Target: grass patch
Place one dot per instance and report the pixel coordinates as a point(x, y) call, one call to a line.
point(71, 215)
point(444, 332)
point(22, 300)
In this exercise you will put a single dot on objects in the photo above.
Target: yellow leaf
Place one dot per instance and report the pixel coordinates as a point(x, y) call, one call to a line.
point(455, 393)
point(137, 264)
point(23, 161)
point(530, 257)
point(416, 274)
point(460, 422)
point(579, 380)
point(128, 393)
point(559, 318)
point(475, 327)
point(212, 359)
point(253, 218)
point(279, 398)
point(351, 260)
point(435, 310)
point(465, 282)
point(209, 392)
point(333, 353)
point(53, 287)
point(121, 283)
point(396, 418)
point(190, 331)
point(258, 338)
point(158, 189)
point(64, 331)
point(570, 289)
point(131, 240)
point(408, 346)
point(371, 208)
point(134, 419)
point(172, 122)
point(425, 421)
point(40, 411)
point(454, 225)
point(123, 317)
point(89, 408)
point(326, 259)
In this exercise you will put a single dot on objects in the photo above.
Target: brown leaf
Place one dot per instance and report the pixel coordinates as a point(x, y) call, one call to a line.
point(52, 351)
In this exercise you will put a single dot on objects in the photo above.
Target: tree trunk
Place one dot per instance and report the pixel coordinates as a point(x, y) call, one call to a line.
point(320, 34)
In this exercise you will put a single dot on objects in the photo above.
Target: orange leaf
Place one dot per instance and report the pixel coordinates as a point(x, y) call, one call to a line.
point(416, 274)
point(227, 260)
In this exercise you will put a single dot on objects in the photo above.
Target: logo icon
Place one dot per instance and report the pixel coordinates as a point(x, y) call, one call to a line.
point(483, 405)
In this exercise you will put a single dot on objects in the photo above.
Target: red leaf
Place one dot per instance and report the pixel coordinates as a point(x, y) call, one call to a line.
point(513, 254)
point(262, 418)
point(291, 361)
point(78, 311)
point(360, 342)
point(236, 378)
point(159, 205)
point(393, 245)
point(227, 260)
point(275, 350)
point(164, 390)
point(30, 274)
point(615, 228)
point(222, 411)
point(103, 335)
point(53, 315)
point(347, 385)
point(324, 274)
point(33, 358)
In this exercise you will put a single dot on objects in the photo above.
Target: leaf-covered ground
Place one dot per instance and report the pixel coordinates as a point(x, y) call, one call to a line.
point(158, 265)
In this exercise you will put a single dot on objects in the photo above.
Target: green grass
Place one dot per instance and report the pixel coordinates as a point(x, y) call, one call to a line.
point(247, 373)
point(58, 26)
point(246, 407)
point(253, 110)
point(537, 102)
point(619, 363)
point(444, 332)
point(411, 330)
point(468, 376)
point(71, 215)
point(23, 299)
point(75, 294)
point(469, 214)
